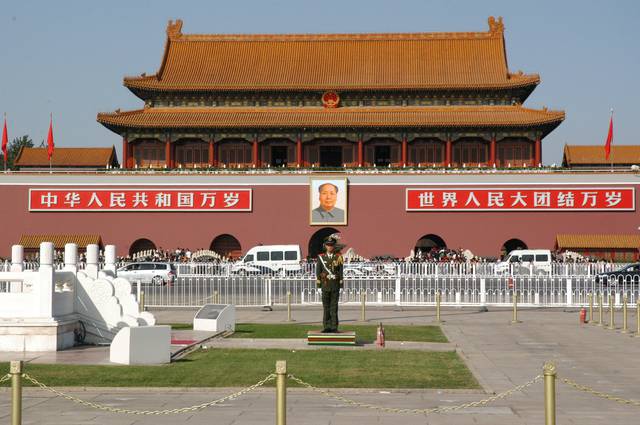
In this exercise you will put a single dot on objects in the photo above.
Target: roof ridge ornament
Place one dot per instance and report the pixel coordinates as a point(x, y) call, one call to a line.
point(174, 28)
point(496, 26)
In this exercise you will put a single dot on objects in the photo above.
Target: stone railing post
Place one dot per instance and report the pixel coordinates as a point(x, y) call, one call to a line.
point(17, 258)
point(44, 287)
point(71, 257)
point(110, 258)
point(92, 261)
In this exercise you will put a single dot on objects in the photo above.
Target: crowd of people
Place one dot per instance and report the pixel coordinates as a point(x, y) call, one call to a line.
point(428, 255)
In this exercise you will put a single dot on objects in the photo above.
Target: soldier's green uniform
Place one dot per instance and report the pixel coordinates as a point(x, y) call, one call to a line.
point(329, 279)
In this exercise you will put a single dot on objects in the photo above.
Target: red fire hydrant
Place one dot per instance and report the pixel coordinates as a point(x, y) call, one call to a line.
point(583, 315)
point(380, 336)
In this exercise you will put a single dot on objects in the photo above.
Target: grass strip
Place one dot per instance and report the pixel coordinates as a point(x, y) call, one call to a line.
point(244, 367)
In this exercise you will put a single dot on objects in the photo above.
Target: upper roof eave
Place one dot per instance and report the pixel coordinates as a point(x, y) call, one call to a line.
point(152, 83)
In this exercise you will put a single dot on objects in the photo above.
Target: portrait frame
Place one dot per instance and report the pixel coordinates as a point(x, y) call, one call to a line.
point(316, 218)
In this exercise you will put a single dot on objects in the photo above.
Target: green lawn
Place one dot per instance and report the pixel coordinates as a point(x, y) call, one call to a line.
point(237, 368)
point(365, 333)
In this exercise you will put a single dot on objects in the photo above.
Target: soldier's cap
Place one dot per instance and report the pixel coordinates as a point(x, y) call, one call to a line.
point(333, 241)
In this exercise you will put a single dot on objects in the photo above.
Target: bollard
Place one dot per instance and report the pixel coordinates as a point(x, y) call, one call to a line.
point(141, 301)
point(600, 309)
point(625, 329)
point(281, 392)
point(514, 318)
point(363, 302)
point(438, 300)
point(549, 372)
point(289, 319)
point(590, 297)
point(15, 369)
point(612, 324)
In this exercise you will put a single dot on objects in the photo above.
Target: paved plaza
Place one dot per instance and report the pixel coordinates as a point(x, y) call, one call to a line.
point(500, 354)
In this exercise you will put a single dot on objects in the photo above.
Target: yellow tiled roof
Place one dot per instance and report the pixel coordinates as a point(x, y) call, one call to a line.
point(397, 116)
point(586, 241)
point(59, 240)
point(588, 155)
point(66, 157)
point(462, 60)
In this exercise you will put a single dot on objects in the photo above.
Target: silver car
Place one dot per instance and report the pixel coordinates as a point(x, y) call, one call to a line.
point(150, 272)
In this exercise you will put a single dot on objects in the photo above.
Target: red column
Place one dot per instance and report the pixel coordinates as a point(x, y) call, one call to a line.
point(167, 152)
point(256, 162)
point(538, 152)
point(212, 153)
point(360, 155)
point(299, 151)
point(125, 153)
point(447, 157)
point(404, 151)
point(492, 152)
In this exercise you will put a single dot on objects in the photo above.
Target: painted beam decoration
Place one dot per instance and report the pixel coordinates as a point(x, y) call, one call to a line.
point(142, 199)
point(521, 199)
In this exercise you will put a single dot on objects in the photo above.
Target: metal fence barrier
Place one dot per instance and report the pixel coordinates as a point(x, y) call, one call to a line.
point(408, 290)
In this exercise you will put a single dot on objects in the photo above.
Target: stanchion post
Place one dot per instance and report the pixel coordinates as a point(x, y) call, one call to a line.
point(549, 372)
point(281, 392)
point(600, 309)
point(438, 300)
point(289, 319)
point(215, 297)
point(625, 328)
point(15, 370)
point(363, 303)
point(638, 318)
point(514, 318)
point(141, 301)
point(590, 297)
point(612, 323)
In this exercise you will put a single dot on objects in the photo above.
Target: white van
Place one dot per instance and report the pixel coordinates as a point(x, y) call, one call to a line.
point(269, 259)
point(526, 261)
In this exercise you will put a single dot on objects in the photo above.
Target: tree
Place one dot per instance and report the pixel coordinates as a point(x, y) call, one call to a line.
point(14, 148)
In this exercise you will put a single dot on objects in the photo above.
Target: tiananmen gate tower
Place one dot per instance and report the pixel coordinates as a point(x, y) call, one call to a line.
point(333, 100)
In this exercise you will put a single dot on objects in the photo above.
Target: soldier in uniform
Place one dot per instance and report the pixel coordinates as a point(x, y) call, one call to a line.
point(329, 278)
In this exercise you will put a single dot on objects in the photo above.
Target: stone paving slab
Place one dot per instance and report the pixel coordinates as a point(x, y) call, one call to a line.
point(91, 354)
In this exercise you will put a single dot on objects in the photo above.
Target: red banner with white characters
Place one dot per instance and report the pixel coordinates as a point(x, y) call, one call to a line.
point(521, 199)
point(146, 199)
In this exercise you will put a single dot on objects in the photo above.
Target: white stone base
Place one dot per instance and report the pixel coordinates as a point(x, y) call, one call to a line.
point(35, 335)
point(144, 345)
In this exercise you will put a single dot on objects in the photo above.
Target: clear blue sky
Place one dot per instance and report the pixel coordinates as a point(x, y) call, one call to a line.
point(69, 57)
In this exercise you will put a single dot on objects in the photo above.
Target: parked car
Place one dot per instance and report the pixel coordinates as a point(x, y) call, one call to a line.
point(526, 261)
point(628, 274)
point(269, 259)
point(149, 272)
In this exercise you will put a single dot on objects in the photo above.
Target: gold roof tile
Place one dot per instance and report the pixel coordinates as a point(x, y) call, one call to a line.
point(598, 241)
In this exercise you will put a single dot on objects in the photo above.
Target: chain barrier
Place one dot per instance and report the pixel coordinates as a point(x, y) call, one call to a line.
point(149, 412)
point(443, 409)
point(5, 378)
point(589, 390)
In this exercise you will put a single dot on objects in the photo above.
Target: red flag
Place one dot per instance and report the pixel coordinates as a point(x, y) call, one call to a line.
point(5, 141)
point(607, 144)
point(50, 144)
